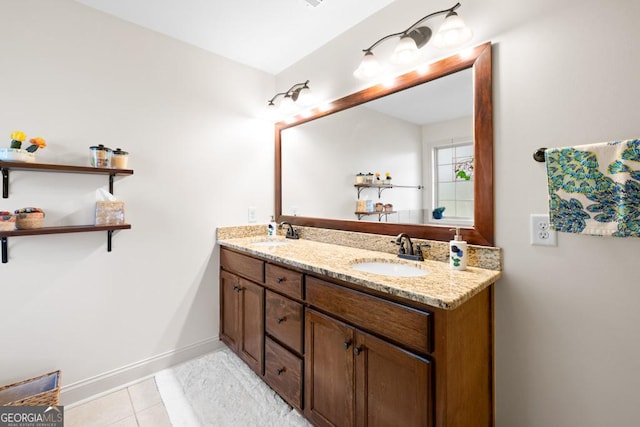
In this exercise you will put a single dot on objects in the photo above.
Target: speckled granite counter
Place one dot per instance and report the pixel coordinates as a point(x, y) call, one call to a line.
point(441, 287)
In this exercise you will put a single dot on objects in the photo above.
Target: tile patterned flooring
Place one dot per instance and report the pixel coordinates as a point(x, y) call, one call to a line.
point(138, 405)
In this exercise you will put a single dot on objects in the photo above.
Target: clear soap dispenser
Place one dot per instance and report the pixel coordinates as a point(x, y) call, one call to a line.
point(272, 227)
point(458, 254)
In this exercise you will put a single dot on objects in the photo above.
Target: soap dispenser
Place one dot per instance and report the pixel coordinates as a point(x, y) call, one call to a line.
point(458, 254)
point(272, 227)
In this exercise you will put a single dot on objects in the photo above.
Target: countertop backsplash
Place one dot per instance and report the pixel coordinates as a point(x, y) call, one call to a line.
point(486, 257)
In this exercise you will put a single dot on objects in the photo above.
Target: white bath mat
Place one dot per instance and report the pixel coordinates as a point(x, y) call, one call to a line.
point(218, 389)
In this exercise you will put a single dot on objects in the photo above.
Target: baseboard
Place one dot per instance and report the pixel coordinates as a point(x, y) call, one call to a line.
point(83, 390)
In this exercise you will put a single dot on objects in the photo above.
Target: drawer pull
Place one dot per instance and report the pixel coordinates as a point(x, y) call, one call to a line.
point(357, 350)
point(237, 289)
point(280, 371)
point(346, 344)
point(280, 279)
point(280, 320)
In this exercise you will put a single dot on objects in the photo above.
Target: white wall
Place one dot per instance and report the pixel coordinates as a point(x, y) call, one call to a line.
point(566, 317)
point(78, 77)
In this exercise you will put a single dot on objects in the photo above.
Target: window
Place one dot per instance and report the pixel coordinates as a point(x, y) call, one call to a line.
point(453, 181)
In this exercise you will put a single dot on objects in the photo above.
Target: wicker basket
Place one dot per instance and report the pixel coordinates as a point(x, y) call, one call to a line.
point(7, 222)
point(43, 390)
point(28, 221)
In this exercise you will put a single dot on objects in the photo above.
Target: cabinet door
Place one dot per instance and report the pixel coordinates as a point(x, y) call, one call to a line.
point(251, 341)
point(393, 386)
point(329, 374)
point(229, 320)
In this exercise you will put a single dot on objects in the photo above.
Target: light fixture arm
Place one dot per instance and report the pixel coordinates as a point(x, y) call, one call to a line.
point(406, 32)
point(292, 93)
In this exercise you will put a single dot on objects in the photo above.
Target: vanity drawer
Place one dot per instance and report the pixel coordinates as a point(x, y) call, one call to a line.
point(405, 325)
point(243, 265)
point(285, 281)
point(284, 320)
point(283, 372)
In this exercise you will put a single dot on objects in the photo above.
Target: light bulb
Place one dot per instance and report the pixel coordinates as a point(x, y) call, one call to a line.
point(369, 67)
point(452, 33)
point(287, 106)
point(405, 52)
point(306, 97)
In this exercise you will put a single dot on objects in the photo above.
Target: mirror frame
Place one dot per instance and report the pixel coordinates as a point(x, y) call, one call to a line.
point(481, 233)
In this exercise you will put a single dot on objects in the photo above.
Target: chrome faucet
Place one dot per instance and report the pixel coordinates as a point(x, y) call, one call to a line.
point(406, 249)
point(291, 232)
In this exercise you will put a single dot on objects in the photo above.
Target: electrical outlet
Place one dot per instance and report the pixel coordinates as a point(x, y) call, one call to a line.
point(252, 214)
point(541, 233)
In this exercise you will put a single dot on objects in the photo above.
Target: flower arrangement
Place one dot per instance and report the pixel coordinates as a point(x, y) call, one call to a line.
point(18, 137)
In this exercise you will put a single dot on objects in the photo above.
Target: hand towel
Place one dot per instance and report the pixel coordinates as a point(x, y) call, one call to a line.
point(595, 189)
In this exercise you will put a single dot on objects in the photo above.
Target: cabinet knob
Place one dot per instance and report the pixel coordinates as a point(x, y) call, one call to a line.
point(279, 279)
point(280, 320)
point(280, 371)
point(346, 344)
point(237, 289)
point(357, 350)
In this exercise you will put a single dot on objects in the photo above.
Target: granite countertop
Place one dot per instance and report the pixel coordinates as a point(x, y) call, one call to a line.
point(441, 287)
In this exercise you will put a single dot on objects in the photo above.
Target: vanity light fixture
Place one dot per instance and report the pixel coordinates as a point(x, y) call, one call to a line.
point(299, 93)
point(452, 33)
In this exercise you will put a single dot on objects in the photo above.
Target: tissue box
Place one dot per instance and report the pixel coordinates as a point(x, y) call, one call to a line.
point(110, 213)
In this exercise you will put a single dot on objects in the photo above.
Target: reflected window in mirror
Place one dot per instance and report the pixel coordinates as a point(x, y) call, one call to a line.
point(453, 183)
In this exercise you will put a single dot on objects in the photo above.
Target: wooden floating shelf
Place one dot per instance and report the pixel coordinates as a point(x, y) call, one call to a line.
point(63, 230)
point(49, 167)
point(4, 235)
point(5, 167)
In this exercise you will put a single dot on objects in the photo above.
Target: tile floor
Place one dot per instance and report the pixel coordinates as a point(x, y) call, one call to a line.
point(138, 405)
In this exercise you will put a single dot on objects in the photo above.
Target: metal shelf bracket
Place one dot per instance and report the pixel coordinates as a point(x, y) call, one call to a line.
point(5, 250)
point(5, 183)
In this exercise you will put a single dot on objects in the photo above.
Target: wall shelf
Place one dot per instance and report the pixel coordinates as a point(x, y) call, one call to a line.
point(5, 167)
point(380, 215)
point(4, 235)
point(380, 187)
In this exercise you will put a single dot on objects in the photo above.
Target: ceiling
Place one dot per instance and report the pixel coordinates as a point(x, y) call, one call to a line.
point(267, 35)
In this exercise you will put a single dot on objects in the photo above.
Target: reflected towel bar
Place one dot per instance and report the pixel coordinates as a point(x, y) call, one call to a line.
point(538, 155)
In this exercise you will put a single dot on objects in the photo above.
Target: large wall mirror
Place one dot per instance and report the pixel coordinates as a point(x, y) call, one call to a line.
point(431, 132)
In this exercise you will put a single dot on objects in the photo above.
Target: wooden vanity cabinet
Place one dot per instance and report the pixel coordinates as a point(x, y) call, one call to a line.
point(284, 329)
point(242, 326)
point(353, 378)
point(260, 321)
point(242, 309)
point(348, 356)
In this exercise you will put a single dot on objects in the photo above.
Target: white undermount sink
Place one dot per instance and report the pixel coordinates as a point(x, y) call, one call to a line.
point(389, 268)
point(270, 243)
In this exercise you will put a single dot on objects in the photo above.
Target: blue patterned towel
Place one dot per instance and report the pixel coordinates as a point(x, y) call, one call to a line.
point(595, 189)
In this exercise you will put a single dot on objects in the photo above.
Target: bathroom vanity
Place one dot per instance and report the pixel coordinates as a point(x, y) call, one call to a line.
point(346, 347)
